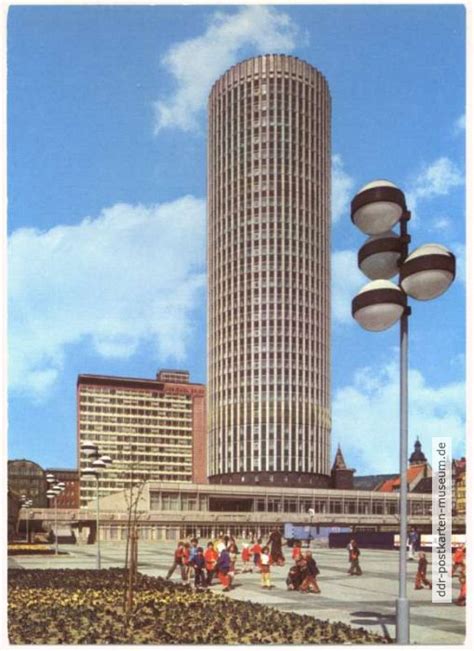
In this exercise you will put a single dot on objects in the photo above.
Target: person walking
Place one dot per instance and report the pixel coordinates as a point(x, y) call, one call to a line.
point(246, 558)
point(198, 564)
point(178, 562)
point(349, 549)
point(354, 554)
point(275, 543)
point(223, 568)
point(412, 538)
point(458, 559)
point(233, 555)
point(210, 558)
point(186, 560)
point(461, 600)
point(192, 550)
point(256, 550)
point(421, 573)
point(265, 568)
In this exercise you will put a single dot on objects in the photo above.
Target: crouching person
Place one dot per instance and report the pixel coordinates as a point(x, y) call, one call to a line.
point(295, 577)
point(310, 583)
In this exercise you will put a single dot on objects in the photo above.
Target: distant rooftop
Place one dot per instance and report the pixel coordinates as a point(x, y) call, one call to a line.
point(370, 482)
point(423, 486)
point(172, 375)
point(163, 377)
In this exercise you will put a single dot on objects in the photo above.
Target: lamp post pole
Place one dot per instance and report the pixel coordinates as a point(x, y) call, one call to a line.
point(402, 603)
point(30, 504)
point(26, 504)
point(56, 488)
point(311, 513)
point(91, 449)
point(56, 551)
point(424, 274)
point(98, 521)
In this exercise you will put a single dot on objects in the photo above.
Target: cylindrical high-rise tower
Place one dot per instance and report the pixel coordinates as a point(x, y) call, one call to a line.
point(269, 163)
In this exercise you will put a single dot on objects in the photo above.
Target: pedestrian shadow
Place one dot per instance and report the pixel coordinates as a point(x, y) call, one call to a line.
point(371, 618)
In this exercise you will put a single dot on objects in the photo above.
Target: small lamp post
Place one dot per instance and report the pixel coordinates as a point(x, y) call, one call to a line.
point(27, 503)
point(56, 488)
point(424, 274)
point(311, 513)
point(97, 464)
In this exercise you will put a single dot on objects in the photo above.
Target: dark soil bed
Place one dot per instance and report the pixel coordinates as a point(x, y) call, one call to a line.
point(86, 607)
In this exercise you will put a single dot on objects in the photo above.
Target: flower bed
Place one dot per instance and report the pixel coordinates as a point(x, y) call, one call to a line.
point(86, 607)
point(17, 549)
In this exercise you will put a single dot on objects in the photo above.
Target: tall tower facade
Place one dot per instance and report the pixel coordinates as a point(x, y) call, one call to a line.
point(269, 163)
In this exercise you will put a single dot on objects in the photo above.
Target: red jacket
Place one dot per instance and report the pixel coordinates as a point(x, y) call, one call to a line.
point(178, 555)
point(210, 557)
point(296, 552)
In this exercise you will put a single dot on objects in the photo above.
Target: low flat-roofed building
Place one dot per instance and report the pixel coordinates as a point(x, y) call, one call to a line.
point(168, 512)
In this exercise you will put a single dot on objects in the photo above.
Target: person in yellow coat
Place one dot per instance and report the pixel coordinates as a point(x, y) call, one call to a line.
point(265, 568)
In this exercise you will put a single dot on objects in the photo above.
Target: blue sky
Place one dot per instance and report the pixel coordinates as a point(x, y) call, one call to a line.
point(106, 201)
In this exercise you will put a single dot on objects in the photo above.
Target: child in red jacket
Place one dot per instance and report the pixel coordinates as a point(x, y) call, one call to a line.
point(296, 552)
point(210, 559)
point(246, 558)
point(256, 550)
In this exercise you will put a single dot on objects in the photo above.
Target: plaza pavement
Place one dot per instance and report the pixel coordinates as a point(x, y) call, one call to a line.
point(368, 600)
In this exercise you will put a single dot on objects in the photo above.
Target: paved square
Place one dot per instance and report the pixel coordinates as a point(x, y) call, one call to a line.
point(368, 600)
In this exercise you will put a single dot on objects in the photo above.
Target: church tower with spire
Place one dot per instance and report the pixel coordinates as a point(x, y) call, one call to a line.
point(417, 457)
point(341, 476)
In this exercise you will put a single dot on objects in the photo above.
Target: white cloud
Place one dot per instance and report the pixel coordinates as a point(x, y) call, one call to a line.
point(346, 281)
point(366, 417)
point(442, 224)
point(435, 180)
point(195, 64)
point(342, 189)
point(438, 179)
point(134, 273)
point(460, 124)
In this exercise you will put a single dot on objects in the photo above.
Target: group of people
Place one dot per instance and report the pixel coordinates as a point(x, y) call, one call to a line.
point(219, 559)
point(458, 569)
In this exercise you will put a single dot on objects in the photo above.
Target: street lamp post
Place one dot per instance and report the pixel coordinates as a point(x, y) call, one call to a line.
point(97, 464)
point(53, 492)
point(424, 274)
point(311, 513)
point(27, 504)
